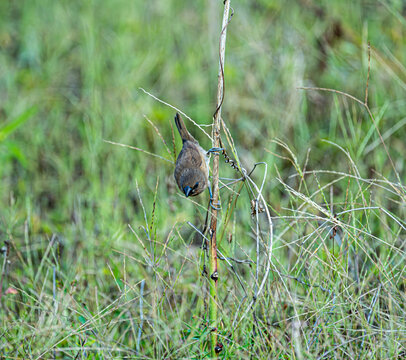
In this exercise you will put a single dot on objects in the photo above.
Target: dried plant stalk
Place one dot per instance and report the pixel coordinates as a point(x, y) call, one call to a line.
point(213, 302)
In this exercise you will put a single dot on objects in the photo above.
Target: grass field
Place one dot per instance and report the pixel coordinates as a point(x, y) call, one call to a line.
point(100, 257)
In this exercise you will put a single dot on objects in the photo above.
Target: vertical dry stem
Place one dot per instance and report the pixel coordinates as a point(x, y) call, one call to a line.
point(213, 302)
point(5, 250)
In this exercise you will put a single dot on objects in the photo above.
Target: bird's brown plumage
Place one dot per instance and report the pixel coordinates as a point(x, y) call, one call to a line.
point(191, 169)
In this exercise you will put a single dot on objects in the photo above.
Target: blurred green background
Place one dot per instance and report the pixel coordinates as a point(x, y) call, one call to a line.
point(70, 77)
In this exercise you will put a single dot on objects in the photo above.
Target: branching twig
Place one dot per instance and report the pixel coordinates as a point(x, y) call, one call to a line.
point(227, 260)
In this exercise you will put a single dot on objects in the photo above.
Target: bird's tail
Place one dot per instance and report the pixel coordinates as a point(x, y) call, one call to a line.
point(184, 134)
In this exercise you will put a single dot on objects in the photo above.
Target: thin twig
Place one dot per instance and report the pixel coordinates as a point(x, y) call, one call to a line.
point(141, 316)
point(159, 134)
point(179, 111)
point(5, 250)
point(54, 299)
point(54, 288)
point(138, 149)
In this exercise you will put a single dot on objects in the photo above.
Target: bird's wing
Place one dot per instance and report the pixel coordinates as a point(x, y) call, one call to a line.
point(191, 155)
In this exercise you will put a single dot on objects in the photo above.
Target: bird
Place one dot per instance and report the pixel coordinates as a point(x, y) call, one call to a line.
point(192, 165)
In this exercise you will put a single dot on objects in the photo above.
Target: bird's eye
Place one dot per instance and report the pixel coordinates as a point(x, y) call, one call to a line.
point(196, 186)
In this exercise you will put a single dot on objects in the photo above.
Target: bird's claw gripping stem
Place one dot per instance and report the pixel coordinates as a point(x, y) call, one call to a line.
point(215, 151)
point(211, 201)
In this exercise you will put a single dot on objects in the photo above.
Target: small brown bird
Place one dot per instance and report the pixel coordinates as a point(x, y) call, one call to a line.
point(192, 164)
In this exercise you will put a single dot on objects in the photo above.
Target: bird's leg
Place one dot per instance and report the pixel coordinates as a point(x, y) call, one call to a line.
point(215, 151)
point(211, 200)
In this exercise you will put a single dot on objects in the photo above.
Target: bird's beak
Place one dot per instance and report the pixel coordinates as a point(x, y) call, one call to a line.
point(187, 190)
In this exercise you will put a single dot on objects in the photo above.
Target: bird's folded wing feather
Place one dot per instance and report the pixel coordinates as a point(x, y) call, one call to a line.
point(191, 155)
